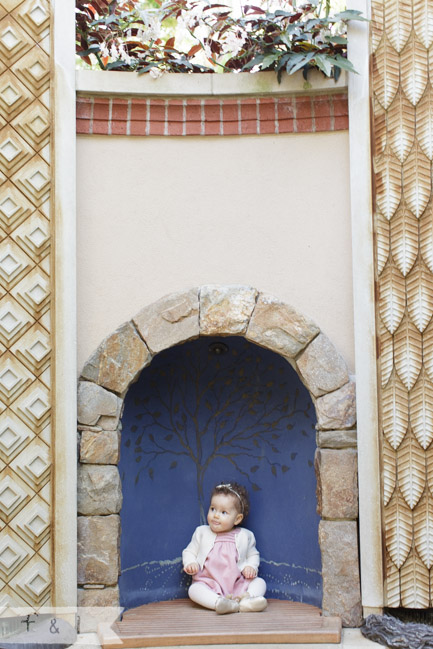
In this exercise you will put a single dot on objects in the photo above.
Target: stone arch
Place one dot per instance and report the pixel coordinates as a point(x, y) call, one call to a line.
point(217, 311)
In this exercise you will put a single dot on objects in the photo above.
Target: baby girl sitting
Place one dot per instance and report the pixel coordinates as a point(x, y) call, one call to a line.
point(223, 559)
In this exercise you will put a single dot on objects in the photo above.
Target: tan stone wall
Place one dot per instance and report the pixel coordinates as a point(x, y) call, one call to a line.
point(157, 215)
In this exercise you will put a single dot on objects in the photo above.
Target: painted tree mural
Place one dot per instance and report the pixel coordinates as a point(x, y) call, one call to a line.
point(213, 407)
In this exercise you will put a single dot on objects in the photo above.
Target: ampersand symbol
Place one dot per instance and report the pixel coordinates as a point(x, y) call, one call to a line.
point(53, 628)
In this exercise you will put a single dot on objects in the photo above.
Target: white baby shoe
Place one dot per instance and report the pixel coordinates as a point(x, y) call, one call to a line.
point(252, 604)
point(225, 605)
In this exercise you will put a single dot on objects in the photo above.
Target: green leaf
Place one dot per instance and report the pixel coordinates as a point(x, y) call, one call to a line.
point(350, 14)
point(341, 62)
point(324, 64)
point(173, 465)
point(268, 60)
point(297, 61)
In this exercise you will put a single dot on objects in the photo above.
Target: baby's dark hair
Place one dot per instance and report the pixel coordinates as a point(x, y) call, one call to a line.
point(239, 493)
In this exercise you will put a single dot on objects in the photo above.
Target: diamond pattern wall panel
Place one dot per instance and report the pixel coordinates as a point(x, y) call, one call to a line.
point(401, 42)
point(25, 292)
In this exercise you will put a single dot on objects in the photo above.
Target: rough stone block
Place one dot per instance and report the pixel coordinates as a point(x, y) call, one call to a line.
point(279, 327)
point(172, 320)
point(321, 366)
point(99, 490)
point(98, 549)
point(337, 483)
point(226, 309)
point(94, 402)
point(337, 409)
point(340, 571)
point(96, 606)
point(99, 447)
point(118, 360)
point(336, 438)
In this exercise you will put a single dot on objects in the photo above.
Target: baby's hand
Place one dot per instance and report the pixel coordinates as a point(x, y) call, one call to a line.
point(192, 568)
point(249, 572)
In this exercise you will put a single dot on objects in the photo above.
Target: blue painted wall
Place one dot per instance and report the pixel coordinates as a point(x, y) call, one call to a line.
point(194, 419)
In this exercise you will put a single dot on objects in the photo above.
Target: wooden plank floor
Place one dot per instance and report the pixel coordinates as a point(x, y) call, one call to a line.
point(180, 622)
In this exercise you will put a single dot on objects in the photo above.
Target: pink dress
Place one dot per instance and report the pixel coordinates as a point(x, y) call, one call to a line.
point(220, 571)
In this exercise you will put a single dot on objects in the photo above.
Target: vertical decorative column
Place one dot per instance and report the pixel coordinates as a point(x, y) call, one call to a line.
point(25, 296)
point(402, 88)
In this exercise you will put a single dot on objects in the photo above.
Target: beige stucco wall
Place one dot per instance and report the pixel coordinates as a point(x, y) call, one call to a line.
point(157, 215)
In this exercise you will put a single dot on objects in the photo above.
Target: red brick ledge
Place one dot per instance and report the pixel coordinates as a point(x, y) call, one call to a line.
point(249, 116)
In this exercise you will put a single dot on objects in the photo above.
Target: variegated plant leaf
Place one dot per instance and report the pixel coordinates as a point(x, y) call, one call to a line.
point(389, 460)
point(423, 529)
point(401, 126)
point(419, 295)
point(398, 22)
point(424, 122)
point(411, 470)
point(392, 297)
point(421, 410)
point(414, 70)
point(423, 22)
point(398, 529)
point(414, 583)
point(404, 239)
point(386, 73)
point(417, 180)
point(395, 408)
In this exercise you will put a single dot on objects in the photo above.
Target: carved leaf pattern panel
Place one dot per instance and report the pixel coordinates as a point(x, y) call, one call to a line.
point(417, 180)
point(398, 529)
point(382, 243)
point(392, 297)
point(411, 470)
point(415, 583)
point(404, 239)
point(408, 353)
point(388, 174)
point(421, 411)
point(392, 584)
point(423, 529)
point(25, 241)
point(389, 471)
point(395, 406)
point(401, 125)
point(386, 350)
point(402, 86)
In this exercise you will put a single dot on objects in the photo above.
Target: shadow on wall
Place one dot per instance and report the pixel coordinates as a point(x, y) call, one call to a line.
point(196, 417)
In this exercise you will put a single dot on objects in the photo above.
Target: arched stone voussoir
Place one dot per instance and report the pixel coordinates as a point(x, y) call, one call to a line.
point(226, 310)
point(95, 402)
point(321, 367)
point(337, 410)
point(170, 321)
point(118, 360)
point(279, 327)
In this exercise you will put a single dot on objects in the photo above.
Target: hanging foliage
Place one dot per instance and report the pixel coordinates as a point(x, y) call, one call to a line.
point(200, 36)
